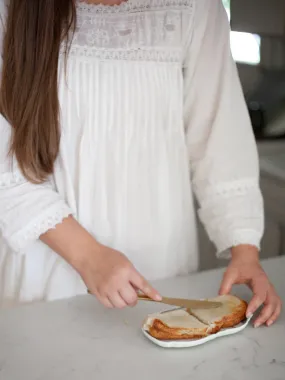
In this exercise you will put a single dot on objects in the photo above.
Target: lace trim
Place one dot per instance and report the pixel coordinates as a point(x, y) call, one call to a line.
point(136, 36)
point(232, 214)
point(133, 5)
point(54, 216)
point(227, 190)
point(234, 239)
point(142, 55)
point(10, 179)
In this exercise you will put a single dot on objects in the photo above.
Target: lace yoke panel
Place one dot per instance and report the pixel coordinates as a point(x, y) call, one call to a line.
point(136, 30)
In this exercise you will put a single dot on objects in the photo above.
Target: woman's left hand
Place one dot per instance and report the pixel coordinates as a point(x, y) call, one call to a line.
point(245, 268)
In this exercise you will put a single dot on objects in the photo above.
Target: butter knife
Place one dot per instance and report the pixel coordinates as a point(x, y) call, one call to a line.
point(184, 303)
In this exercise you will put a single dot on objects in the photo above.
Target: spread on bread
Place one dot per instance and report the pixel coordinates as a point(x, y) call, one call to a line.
point(195, 324)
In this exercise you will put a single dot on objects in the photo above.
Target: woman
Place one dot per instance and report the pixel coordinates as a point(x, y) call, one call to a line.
point(103, 107)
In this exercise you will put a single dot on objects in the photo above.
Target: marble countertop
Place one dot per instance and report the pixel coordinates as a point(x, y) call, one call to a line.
point(77, 339)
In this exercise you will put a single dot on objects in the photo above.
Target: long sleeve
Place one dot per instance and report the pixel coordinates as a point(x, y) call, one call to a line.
point(26, 210)
point(222, 149)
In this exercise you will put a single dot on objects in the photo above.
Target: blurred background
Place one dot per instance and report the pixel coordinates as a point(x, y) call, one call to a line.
point(258, 47)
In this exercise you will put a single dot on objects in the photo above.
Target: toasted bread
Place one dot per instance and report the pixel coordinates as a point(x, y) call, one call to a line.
point(230, 314)
point(176, 324)
point(195, 324)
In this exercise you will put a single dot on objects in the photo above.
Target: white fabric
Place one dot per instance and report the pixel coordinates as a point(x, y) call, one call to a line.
point(150, 86)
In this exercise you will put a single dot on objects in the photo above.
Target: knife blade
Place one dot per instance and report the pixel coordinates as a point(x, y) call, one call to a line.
point(184, 303)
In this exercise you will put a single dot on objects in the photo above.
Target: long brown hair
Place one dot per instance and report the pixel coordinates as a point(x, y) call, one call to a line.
point(29, 100)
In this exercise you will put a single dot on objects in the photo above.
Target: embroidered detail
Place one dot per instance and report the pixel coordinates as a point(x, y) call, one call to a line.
point(49, 220)
point(129, 31)
point(142, 30)
point(234, 238)
point(127, 55)
point(226, 190)
point(10, 179)
point(232, 213)
point(133, 5)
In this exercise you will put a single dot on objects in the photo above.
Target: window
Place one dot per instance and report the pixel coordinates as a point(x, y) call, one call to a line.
point(245, 46)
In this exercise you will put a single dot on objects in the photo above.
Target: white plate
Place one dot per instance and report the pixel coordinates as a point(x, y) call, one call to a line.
point(196, 342)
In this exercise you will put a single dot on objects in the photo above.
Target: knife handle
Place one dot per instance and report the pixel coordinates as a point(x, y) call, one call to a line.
point(142, 297)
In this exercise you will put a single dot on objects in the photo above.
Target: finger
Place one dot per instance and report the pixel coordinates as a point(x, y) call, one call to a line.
point(265, 314)
point(254, 304)
point(275, 315)
point(129, 295)
point(117, 301)
point(141, 284)
point(103, 300)
point(227, 283)
point(106, 302)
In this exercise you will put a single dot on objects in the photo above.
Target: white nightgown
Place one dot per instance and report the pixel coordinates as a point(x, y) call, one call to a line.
point(151, 111)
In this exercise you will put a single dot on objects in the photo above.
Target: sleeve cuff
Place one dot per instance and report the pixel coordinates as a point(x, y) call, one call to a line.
point(47, 220)
point(224, 242)
point(233, 215)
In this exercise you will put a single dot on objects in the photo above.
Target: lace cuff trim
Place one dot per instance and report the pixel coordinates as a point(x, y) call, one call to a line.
point(48, 220)
point(232, 214)
point(227, 190)
point(234, 239)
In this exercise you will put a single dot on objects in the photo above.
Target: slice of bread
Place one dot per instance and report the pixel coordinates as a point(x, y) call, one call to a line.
point(175, 324)
point(230, 314)
point(195, 324)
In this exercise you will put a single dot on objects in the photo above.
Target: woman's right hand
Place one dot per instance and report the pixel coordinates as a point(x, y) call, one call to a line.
point(112, 278)
point(107, 273)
